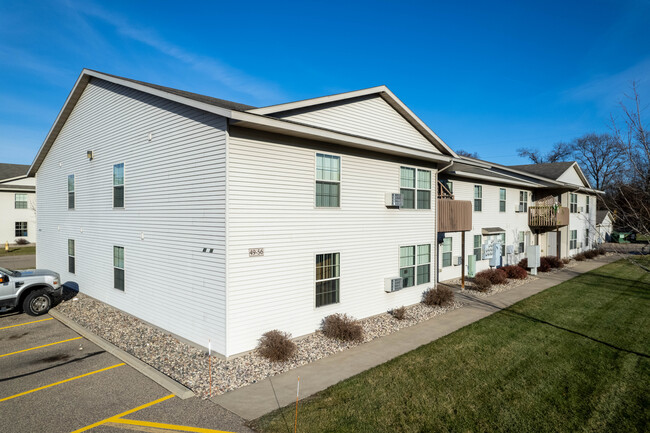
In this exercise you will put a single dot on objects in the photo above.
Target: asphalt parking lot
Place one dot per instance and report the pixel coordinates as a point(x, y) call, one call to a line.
point(54, 380)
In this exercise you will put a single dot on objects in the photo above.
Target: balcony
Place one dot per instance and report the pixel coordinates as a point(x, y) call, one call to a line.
point(454, 215)
point(547, 217)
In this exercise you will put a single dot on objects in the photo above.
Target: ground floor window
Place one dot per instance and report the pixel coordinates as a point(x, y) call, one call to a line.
point(424, 264)
point(415, 264)
point(71, 256)
point(522, 242)
point(502, 237)
point(587, 234)
point(118, 268)
point(447, 247)
point(21, 229)
point(328, 272)
point(477, 246)
point(573, 240)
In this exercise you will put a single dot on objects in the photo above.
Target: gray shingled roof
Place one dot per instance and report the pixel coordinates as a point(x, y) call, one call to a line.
point(600, 216)
point(229, 105)
point(481, 171)
point(551, 170)
point(8, 171)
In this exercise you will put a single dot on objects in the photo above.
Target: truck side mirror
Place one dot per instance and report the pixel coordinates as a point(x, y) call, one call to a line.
point(4, 279)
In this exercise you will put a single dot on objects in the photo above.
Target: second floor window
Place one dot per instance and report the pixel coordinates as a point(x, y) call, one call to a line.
point(523, 201)
point(587, 205)
point(573, 203)
point(71, 191)
point(328, 180)
point(502, 199)
point(478, 198)
point(118, 185)
point(415, 187)
point(20, 201)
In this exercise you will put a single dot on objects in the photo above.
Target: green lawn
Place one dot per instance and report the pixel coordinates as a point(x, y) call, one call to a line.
point(575, 357)
point(17, 251)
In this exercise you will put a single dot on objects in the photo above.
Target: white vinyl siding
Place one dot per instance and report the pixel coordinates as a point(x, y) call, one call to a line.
point(367, 116)
point(175, 207)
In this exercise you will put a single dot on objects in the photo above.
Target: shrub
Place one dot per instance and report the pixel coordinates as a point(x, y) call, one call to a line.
point(544, 265)
point(21, 241)
point(601, 252)
point(580, 257)
point(399, 313)
point(482, 284)
point(342, 327)
point(566, 260)
point(441, 296)
point(495, 276)
point(554, 262)
point(515, 272)
point(590, 254)
point(523, 263)
point(276, 346)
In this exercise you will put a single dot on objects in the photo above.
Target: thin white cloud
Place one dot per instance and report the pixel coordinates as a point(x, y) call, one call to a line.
point(232, 78)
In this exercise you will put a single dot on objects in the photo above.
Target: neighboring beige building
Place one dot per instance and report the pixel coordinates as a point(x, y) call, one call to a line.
point(17, 204)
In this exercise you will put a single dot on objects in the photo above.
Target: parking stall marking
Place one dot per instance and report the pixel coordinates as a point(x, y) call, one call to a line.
point(158, 425)
point(27, 323)
point(40, 347)
point(61, 382)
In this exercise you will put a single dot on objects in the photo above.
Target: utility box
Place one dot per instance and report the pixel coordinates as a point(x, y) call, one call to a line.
point(471, 266)
point(533, 255)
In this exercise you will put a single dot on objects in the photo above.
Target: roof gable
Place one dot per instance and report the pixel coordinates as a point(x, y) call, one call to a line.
point(565, 171)
point(11, 171)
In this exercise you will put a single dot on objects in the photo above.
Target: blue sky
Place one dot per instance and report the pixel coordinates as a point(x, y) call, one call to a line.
point(487, 77)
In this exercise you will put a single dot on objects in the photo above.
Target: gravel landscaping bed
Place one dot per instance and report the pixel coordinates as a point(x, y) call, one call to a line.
point(496, 288)
point(189, 365)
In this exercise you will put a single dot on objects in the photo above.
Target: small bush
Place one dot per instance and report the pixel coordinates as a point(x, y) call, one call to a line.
point(566, 260)
point(601, 252)
point(554, 262)
point(495, 276)
point(276, 346)
point(342, 327)
point(515, 272)
point(441, 296)
point(580, 257)
point(21, 241)
point(544, 265)
point(523, 263)
point(399, 313)
point(590, 254)
point(482, 284)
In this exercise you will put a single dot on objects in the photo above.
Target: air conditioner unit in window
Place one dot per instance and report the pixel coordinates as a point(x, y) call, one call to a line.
point(582, 209)
point(392, 284)
point(519, 208)
point(457, 260)
point(393, 199)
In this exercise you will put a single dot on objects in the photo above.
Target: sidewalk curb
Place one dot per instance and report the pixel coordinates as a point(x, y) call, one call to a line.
point(161, 379)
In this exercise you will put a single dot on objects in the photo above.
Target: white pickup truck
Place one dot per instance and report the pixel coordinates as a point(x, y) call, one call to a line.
point(34, 290)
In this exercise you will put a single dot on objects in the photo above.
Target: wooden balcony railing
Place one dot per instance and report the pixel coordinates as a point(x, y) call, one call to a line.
point(454, 215)
point(548, 216)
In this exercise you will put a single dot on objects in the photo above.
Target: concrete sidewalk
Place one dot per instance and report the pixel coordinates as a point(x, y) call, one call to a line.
point(253, 401)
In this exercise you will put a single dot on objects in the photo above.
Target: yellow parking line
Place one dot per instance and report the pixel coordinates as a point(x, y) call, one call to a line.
point(27, 323)
point(166, 426)
point(60, 382)
point(114, 417)
point(137, 428)
point(38, 347)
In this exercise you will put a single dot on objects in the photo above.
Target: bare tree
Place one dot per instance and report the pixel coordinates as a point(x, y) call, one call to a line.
point(601, 157)
point(462, 152)
point(561, 151)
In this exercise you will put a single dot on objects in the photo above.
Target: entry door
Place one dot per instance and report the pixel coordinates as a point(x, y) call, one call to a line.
point(553, 239)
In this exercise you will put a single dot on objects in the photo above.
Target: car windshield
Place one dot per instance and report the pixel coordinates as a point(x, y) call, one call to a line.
point(8, 272)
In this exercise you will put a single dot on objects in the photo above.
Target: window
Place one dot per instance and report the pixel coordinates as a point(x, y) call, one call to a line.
point(502, 199)
point(573, 240)
point(587, 234)
point(71, 267)
point(447, 245)
point(328, 180)
point(409, 263)
point(21, 229)
point(573, 203)
point(477, 247)
point(587, 205)
point(502, 237)
point(20, 201)
point(118, 185)
point(118, 268)
point(522, 241)
point(478, 198)
point(523, 201)
point(327, 279)
point(448, 184)
point(71, 191)
point(415, 191)
point(424, 264)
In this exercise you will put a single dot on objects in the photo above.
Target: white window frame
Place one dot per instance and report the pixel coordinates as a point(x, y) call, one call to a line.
point(587, 205)
point(416, 263)
point(503, 201)
point(115, 267)
point(16, 201)
point(416, 187)
point(479, 256)
point(573, 239)
point(316, 281)
point(450, 252)
point(478, 199)
point(72, 258)
point(73, 192)
point(573, 203)
point(521, 242)
point(523, 201)
point(587, 237)
point(317, 180)
point(123, 185)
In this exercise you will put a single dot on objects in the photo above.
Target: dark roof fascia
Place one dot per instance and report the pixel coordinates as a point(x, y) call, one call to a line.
point(17, 188)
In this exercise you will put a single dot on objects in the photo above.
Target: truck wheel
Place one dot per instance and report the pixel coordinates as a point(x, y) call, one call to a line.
point(37, 302)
